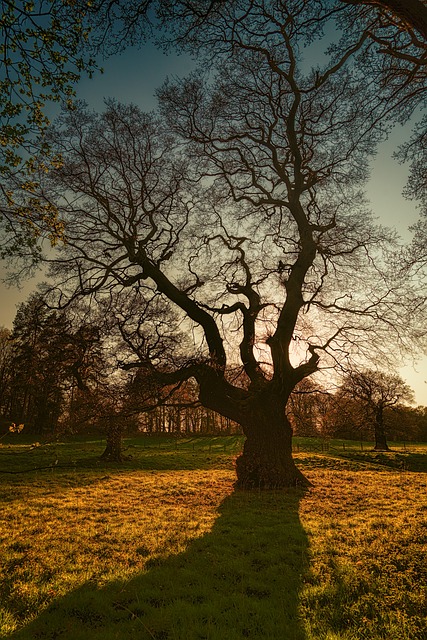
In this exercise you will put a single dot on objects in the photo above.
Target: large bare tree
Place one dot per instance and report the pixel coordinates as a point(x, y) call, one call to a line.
point(241, 206)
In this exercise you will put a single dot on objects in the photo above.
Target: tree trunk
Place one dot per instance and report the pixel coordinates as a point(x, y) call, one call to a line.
point(266, 461)
point(380, 437)
point(113, 449)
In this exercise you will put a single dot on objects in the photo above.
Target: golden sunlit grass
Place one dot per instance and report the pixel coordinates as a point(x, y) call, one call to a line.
point(55, 538)
point(368, 574)
point(173, 553)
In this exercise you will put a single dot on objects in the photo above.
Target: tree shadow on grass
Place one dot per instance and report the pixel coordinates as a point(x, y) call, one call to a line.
point(241, 580)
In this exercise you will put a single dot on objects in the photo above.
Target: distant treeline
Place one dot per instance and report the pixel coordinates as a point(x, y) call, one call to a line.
point(58, 376)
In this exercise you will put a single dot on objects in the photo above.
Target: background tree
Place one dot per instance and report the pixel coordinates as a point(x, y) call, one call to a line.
point(6, 370)
point(175, 409)
point(405, 423)
point(43, 57)
point(36, 394)
point(304, 407)
point(49, 358)
point(376, 392)
point(422, 423)
point(347, 418)
point(241, 209)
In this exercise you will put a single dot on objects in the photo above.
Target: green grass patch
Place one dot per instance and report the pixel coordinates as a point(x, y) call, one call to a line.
point(24, 455)
point(163, 546)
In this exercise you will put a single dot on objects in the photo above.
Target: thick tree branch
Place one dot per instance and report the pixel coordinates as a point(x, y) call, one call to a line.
point(191, 308)
point(413, 13)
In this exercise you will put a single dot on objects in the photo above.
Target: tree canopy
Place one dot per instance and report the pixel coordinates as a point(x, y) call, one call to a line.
point(44, 49)
point(42, 55)
point(47, 44)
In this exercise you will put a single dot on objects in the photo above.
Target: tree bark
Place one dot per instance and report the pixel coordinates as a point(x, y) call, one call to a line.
point(266, 461)
point(113, 449)
point(380, 436)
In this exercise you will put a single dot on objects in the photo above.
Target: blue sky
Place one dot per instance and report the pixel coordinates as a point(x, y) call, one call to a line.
point(134, 77)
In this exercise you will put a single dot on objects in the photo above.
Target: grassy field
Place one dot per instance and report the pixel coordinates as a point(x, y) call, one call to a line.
point(163, 547)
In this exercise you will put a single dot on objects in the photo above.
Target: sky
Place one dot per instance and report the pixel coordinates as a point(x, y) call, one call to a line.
point(134, 76)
